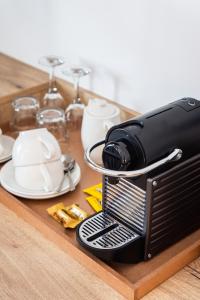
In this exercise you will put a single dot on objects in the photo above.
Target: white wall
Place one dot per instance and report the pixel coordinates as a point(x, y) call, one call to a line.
point(144, 53)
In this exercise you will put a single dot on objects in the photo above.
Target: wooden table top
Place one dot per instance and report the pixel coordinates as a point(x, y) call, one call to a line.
point(32, 266)
point(16, 76)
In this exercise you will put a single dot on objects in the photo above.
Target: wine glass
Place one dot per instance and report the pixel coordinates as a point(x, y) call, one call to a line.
point(74, 111)
point(52, 98)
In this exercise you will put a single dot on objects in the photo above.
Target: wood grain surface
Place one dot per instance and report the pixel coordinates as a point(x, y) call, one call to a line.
point(16, 76)
point(31, 267)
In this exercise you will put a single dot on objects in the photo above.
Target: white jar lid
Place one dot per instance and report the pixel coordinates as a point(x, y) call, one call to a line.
point(100, 108)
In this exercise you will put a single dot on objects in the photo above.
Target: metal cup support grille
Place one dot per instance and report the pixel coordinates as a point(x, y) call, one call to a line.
point(126, 202)
point(103, 232)
point(123, 213)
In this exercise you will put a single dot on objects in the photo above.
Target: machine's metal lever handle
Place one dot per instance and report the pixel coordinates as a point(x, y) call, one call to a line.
point(175, 155)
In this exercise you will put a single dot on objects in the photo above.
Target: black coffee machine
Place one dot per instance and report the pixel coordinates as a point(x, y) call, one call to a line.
point(151, 184)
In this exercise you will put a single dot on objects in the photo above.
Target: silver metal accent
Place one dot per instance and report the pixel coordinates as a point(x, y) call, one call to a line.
point(125, 202)
point(155, 183)
point(92, 233)
point(175, 155)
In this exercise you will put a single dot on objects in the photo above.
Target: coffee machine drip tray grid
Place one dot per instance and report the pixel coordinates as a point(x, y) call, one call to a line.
point(102, 231)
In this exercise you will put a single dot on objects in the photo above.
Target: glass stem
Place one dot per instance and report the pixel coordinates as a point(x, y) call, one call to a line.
point(52, 81)
point(76, 88)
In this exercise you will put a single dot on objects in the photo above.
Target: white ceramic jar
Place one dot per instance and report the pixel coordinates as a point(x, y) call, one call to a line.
point(98, 117)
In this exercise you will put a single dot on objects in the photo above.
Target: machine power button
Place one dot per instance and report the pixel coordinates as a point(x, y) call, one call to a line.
point(191, 102)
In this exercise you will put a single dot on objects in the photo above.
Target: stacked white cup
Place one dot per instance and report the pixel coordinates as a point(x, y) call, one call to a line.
point(37, 160)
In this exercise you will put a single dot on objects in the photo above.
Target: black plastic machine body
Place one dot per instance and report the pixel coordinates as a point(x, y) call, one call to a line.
point(151, 184)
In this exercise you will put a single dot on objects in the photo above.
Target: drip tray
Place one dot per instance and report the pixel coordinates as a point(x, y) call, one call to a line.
point(102, 231)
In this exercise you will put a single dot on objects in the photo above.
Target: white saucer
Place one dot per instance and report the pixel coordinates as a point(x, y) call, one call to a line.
point(7, 144)
point(8, 182)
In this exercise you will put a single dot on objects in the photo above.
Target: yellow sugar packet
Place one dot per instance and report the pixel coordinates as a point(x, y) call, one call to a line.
point(95, 191)
point(66, 220)
point(52, 211)
point(69, 216)
point(94, 203)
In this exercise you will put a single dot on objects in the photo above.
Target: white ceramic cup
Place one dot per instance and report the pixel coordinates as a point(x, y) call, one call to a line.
point(98, 117)
point(37, 160)
point(34, 147)
point(42, 177)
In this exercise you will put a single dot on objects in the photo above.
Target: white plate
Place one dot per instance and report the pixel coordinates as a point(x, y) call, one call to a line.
point(7, 144)
point(9, 183)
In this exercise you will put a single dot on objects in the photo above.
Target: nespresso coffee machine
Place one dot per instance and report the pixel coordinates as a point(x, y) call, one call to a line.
point(151, 184)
